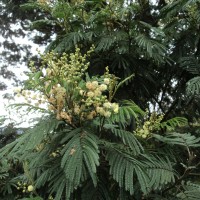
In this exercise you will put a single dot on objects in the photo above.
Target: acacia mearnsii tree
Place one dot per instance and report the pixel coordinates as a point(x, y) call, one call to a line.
point(108, 62)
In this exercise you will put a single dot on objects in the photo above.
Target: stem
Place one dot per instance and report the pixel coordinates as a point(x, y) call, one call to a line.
point(102, 120)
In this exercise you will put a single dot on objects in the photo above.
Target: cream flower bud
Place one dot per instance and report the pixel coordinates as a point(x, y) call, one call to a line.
point(95, 84)
point(100, 110)
point(90, 116)
point(34, 97)
point(24, 92)
point(115, 107)
point(106, 81)
point(103, 87)
point(77, 110)
point(54, 154)
point(81, 92)
point(107, 114)
point(97, 92)
point(107, 105)
point(30, 188)
point(89, 85)
point(90, 94)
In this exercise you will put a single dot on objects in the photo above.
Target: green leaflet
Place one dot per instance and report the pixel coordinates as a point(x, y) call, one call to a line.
point(153, 48)
point(182, 139)
point(193, 86)
point(128, 112)
point(81, 150)
point(127, 138)
point(190, 191)
point(150, 172)
point(124, 167)
point(171, 124)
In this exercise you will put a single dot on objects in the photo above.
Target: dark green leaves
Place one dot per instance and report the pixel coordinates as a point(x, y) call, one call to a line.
point(128, 111)
point(184, 139)
point(171, 124)
point(150, 172)
point(80, 152)
point(193, 86)
point(190, 191)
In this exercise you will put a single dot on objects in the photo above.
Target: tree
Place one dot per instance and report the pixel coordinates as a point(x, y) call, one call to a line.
point(93, 144)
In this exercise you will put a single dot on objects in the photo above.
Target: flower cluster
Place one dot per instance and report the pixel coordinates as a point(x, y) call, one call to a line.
point(95, 101)
point(43, 2)
point(63, 84)
point(150, 126)
point(24, 187)
point(31, 97)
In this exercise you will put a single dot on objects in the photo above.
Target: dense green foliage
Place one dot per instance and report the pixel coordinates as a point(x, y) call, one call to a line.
point(95, 141)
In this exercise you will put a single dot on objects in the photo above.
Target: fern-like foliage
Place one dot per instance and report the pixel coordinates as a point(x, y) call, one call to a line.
point(124, 168)
point(160, 170)
point(82, 149)
point(128, 112)
point(185, 139)
point(190, 64)
point(127, 138)
point(174, 7)
point(171, 124)
point(190, 191)
point(152, 47)
point(151, 173)
point(193, 86)
point(66, 42)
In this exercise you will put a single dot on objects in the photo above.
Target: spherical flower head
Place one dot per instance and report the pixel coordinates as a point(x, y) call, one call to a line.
point(106, 81)
point(144, 136)
point(24, 92)
point(90, 116)
point(89, 85)
point(81, 92)
point(54, 154)
point(107, 114)
point(34, 97)
point(107, 105)
point(95, 84)
point(61, 91)
point(97, 93)
point(99, 110)
point(77, 110)
point(64, 115)
point(30, 188)
point(90, 94)
point(115, 107)
point(103, 87)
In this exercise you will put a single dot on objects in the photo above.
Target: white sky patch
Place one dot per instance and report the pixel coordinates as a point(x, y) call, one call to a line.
point(11, 114)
